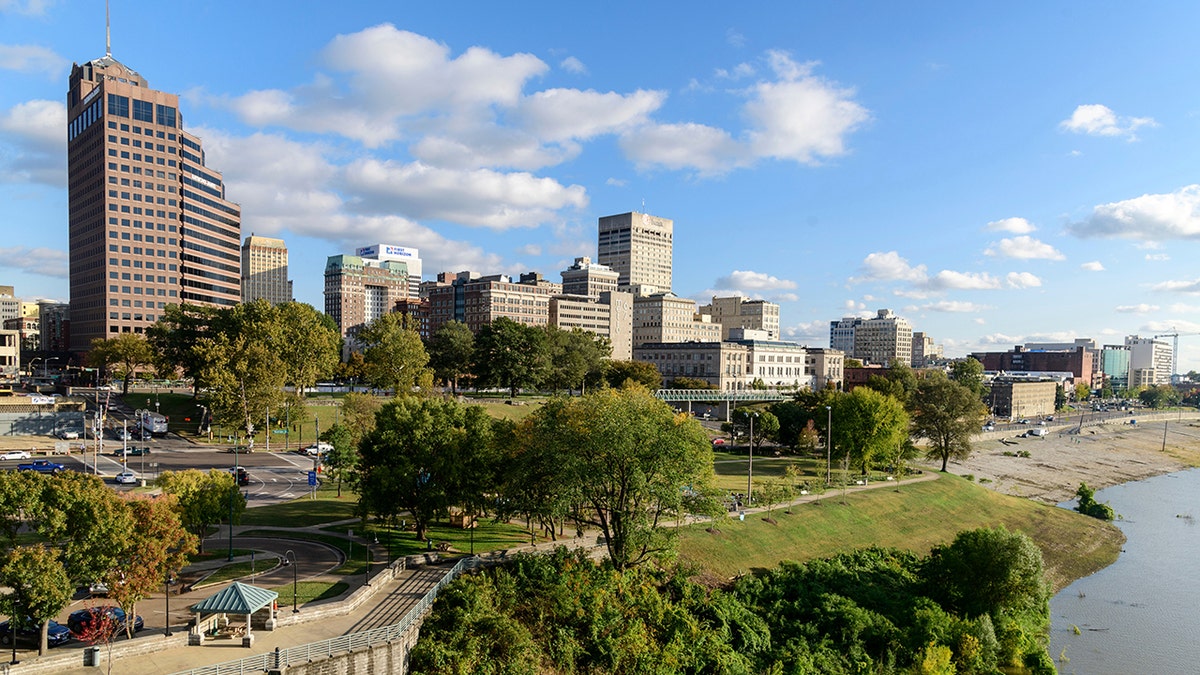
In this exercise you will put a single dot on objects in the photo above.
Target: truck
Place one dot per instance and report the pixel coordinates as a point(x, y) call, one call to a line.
point(42, 466)
point(152, 423)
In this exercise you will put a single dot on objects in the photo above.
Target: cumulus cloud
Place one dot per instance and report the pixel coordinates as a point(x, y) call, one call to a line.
point(1022, 280)
point(1142, 308)
point(1024, 248)
point(44, 261)
point(564, 114)
point(34, 129)
point(738, 72)
point(573, 65)
point(1150, 217)
point(958, 307)
point(1178, 286)
point(948, 279)
point(807, 333)
point(1157, 257)
point(1014, 225)
point(1100, 120)
point(1093, 266)
point(745, 280)
point(31, 59)
point(888, 266)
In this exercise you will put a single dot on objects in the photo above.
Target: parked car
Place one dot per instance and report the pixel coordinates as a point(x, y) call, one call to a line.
point(989, 427)
point(318, 449)
point(122, 434)
point(30, 631)
point(131, 451)
point(16, 454)
point(78, 621)
point(68, 434)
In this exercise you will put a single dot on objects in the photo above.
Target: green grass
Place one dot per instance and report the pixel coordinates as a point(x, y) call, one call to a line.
point(489, 536)
point(214, 554)
point(308, 591)
point(502, 411)
point(304, 511)
point(241, 569)
point(913, 516)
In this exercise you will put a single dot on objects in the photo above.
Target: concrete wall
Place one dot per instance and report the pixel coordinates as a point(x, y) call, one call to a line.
point(37, 423)
point(389, 659)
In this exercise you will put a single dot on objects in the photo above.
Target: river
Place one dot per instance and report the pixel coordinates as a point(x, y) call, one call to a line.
point(1139, 615)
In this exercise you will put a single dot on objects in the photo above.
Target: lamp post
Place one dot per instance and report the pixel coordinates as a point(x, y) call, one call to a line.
point(231, 494)
point(292, 561)
point(167, 603)
point(33, 369)
point(750, 473)
point(828, 444)
point(46, 366)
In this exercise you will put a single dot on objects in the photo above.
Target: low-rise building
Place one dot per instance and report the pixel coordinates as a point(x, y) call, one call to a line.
point(666, 317)
point(10, 355)
point(825, 367)
point(721, 364)
point(1022, 398)
point(737, 312)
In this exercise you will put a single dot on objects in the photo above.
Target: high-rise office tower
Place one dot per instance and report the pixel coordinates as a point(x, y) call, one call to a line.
point(637, 246)
point(149, 222)
point(359, 290)
point(265, 270)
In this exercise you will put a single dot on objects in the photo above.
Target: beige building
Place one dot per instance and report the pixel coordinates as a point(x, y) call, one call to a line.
point(924, 350)
point(10, 355)
point(638, 247)
point(883, 338)
point(265, 270)
point(149, 221)
point(610, 315)
point(721, 364)
point(666, 317)
point(738, 312)
point(1150, 361)
point(588, 279)
point(10, 305)
point(478, 301)
point(358, 290)
point(777, 364)
point(825, 367)
point(1016, 398)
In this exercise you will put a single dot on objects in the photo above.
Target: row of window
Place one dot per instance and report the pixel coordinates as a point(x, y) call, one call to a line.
point(131, 317)
point(137, 225)
point(137, 157)
point(83, 120)
point(143, 111)
point(138, 130)
point(138, 303)
point(137, 237)
point(138, 250)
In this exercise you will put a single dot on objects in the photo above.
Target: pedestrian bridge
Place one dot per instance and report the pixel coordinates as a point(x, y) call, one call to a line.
point(719, 402)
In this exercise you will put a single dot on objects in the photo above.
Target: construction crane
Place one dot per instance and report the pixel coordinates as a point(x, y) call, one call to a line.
point(1174, 351)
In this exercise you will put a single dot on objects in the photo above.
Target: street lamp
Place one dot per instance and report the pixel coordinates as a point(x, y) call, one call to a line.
point(167, 603)
point(750, 473)
point(292, 561)
point(46, 366)
point(828, 444)
point(231, 494)
point(33, 366)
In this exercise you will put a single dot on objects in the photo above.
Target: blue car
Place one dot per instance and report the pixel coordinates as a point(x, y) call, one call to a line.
point(78, 621)
point(30, 631)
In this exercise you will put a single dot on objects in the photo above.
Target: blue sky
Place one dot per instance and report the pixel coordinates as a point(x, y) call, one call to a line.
point(996, 174)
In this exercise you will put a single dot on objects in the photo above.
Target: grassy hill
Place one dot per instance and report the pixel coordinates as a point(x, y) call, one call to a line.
point(914, 516)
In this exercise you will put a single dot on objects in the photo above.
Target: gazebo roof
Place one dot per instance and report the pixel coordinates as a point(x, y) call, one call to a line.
point(237, 598)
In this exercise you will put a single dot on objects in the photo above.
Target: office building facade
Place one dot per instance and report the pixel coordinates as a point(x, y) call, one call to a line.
point(883, 338)
point(265, 270)
point(358, 291)
point(639, 248)
point(1150, 361)
point(149, 222)
point(666, 317)
point(479, 300)
point(737, 312)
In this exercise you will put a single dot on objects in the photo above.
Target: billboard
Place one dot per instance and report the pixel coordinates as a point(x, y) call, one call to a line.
point(387, 252)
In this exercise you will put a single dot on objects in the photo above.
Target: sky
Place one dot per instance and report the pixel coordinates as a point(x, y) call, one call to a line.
point(995, 173)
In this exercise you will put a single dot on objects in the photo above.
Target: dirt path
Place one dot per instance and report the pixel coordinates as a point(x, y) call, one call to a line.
point(1101, 454)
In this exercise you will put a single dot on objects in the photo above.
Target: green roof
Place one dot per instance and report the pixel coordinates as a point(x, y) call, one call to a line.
point(238, 598)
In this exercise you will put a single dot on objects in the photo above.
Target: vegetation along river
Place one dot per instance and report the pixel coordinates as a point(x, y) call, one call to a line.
point(1140, 614)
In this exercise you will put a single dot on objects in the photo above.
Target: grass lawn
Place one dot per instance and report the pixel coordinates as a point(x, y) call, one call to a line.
point(488, 536)
point(303, 511)
point(308, 591)
point(914, 516)
point(184, 413)
point(502, 411)
point(354, 551)
point(731, 469)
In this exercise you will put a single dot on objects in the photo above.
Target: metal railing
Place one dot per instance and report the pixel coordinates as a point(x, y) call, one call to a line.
point(313, 651)
point(715, 395)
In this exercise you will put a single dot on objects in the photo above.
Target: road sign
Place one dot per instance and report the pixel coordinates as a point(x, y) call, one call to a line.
point(279, 431)
point(312, 478)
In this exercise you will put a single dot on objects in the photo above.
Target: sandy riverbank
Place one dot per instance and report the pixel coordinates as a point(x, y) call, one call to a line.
point(1100, 454)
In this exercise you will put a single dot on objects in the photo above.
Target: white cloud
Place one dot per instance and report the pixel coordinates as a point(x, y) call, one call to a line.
point(954, 307)
point(28, 7)
point(31, 59)
point(808, 333)
point(735, 38)
point(569, 114)
point(1178, 286)
point(1093, 266)
point(1024, 248)
point(1100, 120)
point(1150, 217)
point(745, 280)
point(948, 279)
point(573, 65)
point(530, 250)
point(1014, 225)
point(888, 266)
point(45, 261)
point(1180, 308)
point(1142, 308)
point(739, 72)
point(616, 182)
point(1022, 280)
point(706, 149)
point(1157, 257)
point(35, 129)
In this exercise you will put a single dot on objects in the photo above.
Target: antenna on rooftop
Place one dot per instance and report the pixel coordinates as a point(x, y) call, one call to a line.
point(107, 32)
point(643, 204)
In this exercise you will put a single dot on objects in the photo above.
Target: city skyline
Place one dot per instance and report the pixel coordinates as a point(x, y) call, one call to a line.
point(994, 178)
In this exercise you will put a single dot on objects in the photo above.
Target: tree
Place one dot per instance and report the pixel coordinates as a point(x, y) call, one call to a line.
point(85, 521)
point(309, 344)
point(947, 414)
point(203, 499)
point(1159, 396)
point(766, 424)
point(969, 373)
point(574, 354)
point(358, 415)
point(1082, 391)
point(1060, 397)
point(632, 460)
point(988, 571)
point(1088, 505)
point(244, 377)
point(353, 369)
point(511, 355)
point(451, 350)
point(393, 354)
point(690, 383)
point(158, 546)
point(128, 352)
point(344, 457)
point(38, 587)
point(618, 373)
point(174, 336)
point(423, 456)
point(852, 363)
point(867, 425)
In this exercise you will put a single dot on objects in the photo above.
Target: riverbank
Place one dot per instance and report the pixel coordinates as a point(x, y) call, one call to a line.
point(1101, 455)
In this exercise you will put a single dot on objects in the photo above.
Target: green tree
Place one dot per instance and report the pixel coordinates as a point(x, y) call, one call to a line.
point(574, 354)
point(244, 377)
point(632, 460)
point(511, 356)
point(158, 546)
point(393, 354)
point(1060, 397)
point(423, 456)
point(127, 352)
point(85, 520)
point(203, 499)
point(947, 414)
point(174, 337)
point(353, 370)
point(618, 373)
point(451, 350)
point(852, 363)
point(766, 425)
point(358, 414)
point(1088, 505)
point(1082, 391)
point(867, 425)
point(690, 383)
point(969, 373)
point(989, 571)
point(309, 344)
point(1159, 396)
point(37, 586)
point(342, 460)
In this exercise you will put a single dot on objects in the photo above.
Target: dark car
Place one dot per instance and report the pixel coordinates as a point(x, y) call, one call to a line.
point(78, 621)
point(30, 631)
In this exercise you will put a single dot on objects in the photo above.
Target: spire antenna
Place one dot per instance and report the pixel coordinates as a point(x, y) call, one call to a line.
point(107, 32)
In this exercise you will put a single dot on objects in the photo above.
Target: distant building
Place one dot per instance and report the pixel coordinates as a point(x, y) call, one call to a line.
point(1150, 361)
point(1115, 366)
point(54, 326)
point(588, 279)
point(359, 290)
point(826, 367)
point(10, 305)
point(925, 351)
point(777, 364)
point(639, 248)
point(10, 355)
point(265, 270)
point(1077, 361)
point(387, 252)
point(841, 333)
point(720, 364)
point(666, 317)
point(479, 300)
point(27, 328)
point(883, 338)
point(1017, 398)
point(738, 312)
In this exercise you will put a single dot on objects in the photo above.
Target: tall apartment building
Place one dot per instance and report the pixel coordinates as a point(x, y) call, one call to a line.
point(841, 334)
point(1115, 366)
point(638, 247)
point(149, 222)
point(54, 325)
point(265, 270)
point(479, 300)
point(387, 252)
point(588, 279)
point(360, 290)
point(883, 338)
point(737, 312)
point(924, 350)
point(666, 317)
point(1150, 361)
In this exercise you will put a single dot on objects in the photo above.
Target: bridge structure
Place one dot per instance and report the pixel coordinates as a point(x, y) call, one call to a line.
point(721, 401)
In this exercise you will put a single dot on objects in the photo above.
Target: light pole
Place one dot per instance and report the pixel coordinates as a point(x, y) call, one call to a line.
point(292, 561)
point(46, 366)
point(167, 603)
point(33, 373)
point(231, 494)
point(750, 473)
point(828, 444)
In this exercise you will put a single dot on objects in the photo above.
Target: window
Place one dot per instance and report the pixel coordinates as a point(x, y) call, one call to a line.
point(166, 117)
point(119, 106)
point(143, 111)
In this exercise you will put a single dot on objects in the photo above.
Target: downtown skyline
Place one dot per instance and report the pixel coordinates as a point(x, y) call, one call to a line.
point(994, 178)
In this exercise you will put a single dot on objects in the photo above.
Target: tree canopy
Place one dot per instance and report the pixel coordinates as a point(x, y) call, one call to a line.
point(867, 425)
point(947, 414)
point(127, 352)
point(451, 351)
point(394, 356)
point(511, 355)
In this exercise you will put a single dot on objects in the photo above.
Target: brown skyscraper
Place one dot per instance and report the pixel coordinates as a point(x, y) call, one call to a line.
point(149, 223)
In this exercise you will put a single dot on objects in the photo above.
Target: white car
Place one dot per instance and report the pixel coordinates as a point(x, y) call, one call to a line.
point(126, 478)
point(16, 454)
point(68, 435)
point(318, 449)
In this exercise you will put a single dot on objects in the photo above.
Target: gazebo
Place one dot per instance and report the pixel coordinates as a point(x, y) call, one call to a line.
point(212, 613)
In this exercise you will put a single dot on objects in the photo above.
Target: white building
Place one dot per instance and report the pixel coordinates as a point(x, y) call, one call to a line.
point(738, 312)
point(387, 252)
point(1150, 361)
